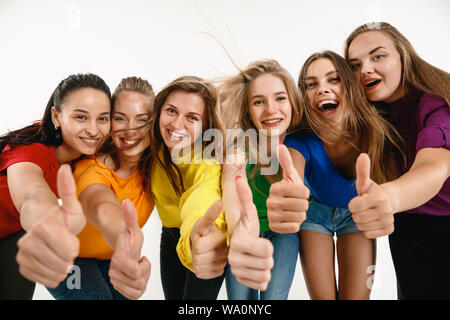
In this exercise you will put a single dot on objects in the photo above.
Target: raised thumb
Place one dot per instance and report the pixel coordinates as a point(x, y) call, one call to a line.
point(130, 216)
point(287, 165)
point(67, 192)
point(205, 222)
point(362, 169)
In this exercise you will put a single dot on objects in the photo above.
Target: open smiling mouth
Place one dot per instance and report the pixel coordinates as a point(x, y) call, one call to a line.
point(371, 84)
point(327, 106)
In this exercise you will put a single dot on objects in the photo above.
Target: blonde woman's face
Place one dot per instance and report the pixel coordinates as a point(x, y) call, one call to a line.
point(269, 105)
point(377, 65)
point(182, 119)
point(324, 90)
point(132, 113)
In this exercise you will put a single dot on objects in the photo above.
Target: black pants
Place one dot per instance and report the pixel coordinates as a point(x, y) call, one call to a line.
point(178, 282)
point(420, 248)
point(12, 285)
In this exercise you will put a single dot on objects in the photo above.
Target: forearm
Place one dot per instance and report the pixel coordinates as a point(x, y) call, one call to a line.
point(36, 206)
point(108, 217)
point(230, 205)
point(421, 183)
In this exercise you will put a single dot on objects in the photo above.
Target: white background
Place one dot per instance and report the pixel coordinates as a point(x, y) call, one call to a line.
point(42, 42)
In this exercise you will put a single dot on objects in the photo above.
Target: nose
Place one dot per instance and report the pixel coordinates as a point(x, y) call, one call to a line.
point(271, 107)
point(92, 129)
point(177, 123)
point(323, 88)
point(366, 68)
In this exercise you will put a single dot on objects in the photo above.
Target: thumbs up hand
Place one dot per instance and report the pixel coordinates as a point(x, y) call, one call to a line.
point(48, 250)
point(209, 246)
point(250, 257)
point(288, 199)
point(129, 272)
point(371, 210)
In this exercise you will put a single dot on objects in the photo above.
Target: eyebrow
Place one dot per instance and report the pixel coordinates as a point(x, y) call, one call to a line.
point(198, 114)
point(139, 115)
point(372, 51)
point(84, 111)
point(262, 96)
point(326, 75)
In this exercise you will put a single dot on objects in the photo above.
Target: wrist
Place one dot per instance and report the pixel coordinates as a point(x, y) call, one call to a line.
point(390, 190)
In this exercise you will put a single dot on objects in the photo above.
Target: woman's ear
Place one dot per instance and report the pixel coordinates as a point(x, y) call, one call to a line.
point(55, 117)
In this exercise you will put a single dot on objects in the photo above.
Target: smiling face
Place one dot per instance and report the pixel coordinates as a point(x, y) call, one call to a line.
point(84, 121)
point(377, 65)
point(182, 119)
point(131, 111)
point(325, 92)
point(269, 105)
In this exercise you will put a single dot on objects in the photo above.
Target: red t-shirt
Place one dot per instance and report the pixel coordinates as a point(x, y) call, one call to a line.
point(42, 155)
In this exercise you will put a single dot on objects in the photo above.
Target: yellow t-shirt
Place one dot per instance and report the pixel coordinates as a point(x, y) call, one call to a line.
point(92, 171)
point(202, 185)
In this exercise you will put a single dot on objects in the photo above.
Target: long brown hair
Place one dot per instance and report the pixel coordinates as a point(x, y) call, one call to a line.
point(416, 72)
point(189, 84)
point(134, 84)
point(375, 135)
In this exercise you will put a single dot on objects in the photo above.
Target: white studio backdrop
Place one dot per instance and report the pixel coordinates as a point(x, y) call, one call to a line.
point(42, 42)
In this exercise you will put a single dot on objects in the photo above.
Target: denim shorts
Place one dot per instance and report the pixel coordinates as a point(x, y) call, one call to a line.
point(325, 219)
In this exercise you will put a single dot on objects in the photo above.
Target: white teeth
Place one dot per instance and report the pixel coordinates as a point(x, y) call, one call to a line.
point(129, 141)
point(90, 141)
point(321, 103)
point(272, 121)
point(178, 135)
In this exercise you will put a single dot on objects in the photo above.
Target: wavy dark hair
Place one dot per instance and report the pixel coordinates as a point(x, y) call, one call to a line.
point(44, 130)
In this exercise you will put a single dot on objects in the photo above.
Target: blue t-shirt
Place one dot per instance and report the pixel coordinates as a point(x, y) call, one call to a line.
point(325, 183)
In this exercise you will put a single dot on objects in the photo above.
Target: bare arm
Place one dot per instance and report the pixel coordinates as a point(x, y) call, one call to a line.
point(31, 194)
point(229, 194)
point(103, 210)
point(425, 178)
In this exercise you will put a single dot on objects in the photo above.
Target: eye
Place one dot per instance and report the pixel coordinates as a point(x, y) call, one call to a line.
point(378, 57)
point(310, 85)
point(281, 98)
point(118, 118)
point(335, 80)
point(193, 118)
point(104, 119)
point(258, 102)
point(356, 66)
point(80, 117)
point(171, 111)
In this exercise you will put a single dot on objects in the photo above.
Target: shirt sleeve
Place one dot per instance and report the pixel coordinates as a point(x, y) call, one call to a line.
point(35, 153)
point(86, 173)
point(434, 123)
point(195, 202)
point(297, 142)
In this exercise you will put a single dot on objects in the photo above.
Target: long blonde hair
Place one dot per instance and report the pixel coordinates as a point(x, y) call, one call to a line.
point(233, 96)
point(375, 136)
point(416, 72)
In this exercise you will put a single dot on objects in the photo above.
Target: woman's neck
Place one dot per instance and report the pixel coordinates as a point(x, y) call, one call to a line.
point(66, 154)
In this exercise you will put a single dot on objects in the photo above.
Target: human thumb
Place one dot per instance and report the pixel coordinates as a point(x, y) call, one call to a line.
point(71, 207)
point(204, 223)
point(363, 180)
point(287, 165)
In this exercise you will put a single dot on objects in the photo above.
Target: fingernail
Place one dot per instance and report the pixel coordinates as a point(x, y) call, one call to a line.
point(237, 177)
point(280, 142)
